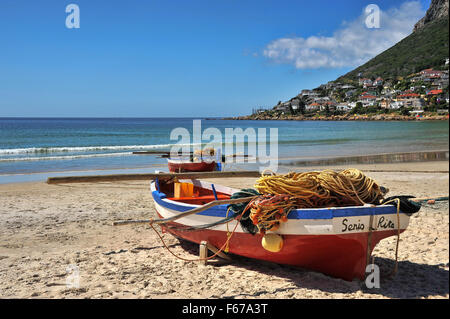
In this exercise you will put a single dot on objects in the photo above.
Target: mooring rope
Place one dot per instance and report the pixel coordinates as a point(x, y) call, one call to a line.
point(224, 246)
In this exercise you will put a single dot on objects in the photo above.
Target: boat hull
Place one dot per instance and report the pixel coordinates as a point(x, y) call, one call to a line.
point(341, 256)
point(335, 242)
point(179, 167)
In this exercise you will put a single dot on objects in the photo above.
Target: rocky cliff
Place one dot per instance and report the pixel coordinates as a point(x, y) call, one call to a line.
point(438, 9)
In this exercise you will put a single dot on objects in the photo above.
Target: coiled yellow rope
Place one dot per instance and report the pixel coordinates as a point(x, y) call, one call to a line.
point(282, 193)
point(323, 189)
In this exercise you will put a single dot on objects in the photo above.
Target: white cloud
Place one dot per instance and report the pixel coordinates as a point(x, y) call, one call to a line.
point(352, 45)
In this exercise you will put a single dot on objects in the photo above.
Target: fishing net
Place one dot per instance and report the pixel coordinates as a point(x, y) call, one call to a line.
point(279, 194)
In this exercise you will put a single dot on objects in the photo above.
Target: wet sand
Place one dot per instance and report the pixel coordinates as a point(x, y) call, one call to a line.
point(47, 228)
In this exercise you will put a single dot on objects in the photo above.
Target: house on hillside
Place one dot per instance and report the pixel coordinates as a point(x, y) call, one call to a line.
point(368, 100)
point(411, 100)
point(330, 85)
point(387, 85)
point(439, 84)
point(430, 73)
point(330, 105)
point(282, 107)
point(388, 92)
point(407, 96)
point(350, 93)
point(259, 110)
point(308, 94)
point(305, 93)
point(365, 82)
point(416, 79)
point(417, 104)
point(295, 104)
point(375, 93)
point(385, 103)
point(378, 81)
point(395, 105)
point(434, 92)
point(343, 107)
point(312, 107)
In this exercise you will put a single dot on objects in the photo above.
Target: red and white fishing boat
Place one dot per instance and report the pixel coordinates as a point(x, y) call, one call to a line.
point(180, 166)
point(335, 241)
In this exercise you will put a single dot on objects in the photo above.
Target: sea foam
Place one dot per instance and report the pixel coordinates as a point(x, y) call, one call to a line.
point(74, 149)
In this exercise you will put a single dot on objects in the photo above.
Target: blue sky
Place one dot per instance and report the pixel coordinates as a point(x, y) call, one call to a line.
point(182, 58)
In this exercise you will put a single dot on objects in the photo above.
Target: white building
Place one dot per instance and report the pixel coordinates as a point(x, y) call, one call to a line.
point(295, 104)
point(368, 100)
point(395, 105)
point(312, 107)
point(343, 107)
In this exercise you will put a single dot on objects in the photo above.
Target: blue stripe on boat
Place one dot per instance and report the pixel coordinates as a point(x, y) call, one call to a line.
point(325, 213)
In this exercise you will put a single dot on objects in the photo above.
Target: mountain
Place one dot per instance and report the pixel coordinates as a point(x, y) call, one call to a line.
point(426, 47)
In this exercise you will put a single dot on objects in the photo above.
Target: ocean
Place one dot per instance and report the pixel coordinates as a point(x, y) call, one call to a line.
point(43, 146)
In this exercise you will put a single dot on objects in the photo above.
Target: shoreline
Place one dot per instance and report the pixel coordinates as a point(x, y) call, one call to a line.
point(382, 158)
point(346, 117)
point(284, 164)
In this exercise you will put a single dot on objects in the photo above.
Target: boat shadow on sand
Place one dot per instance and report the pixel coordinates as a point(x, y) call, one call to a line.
point(413, 280)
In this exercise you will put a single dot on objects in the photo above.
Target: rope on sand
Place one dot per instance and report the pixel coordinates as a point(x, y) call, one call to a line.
point(224, 246)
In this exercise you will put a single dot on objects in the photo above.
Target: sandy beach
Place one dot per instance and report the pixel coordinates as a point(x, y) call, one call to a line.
point(47, 229)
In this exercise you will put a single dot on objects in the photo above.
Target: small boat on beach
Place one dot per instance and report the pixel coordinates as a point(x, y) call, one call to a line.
point(181, 166)
point(198, 161)
point(337, 241)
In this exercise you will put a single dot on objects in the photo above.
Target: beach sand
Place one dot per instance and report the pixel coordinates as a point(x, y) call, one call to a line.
point(47, 229)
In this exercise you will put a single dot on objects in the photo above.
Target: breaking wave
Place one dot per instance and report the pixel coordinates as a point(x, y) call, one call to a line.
point(80, 149)
point(63, 157)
